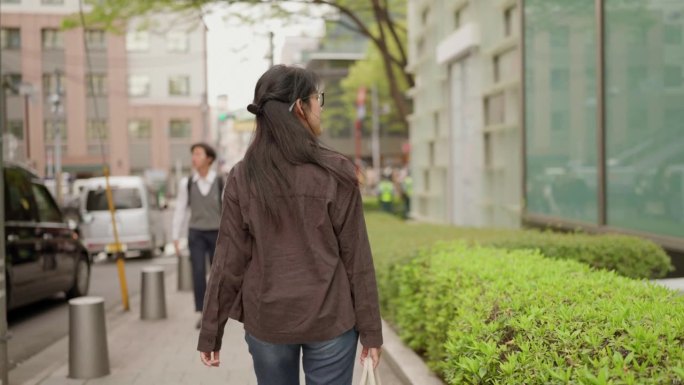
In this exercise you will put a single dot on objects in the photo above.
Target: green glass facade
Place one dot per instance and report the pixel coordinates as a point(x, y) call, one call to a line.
point(560, 90)
point(645, 115)
point(610, 154)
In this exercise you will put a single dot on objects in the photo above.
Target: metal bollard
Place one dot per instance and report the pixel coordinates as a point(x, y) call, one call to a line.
point(184, 273)
point(88, 353)
point(153, 298)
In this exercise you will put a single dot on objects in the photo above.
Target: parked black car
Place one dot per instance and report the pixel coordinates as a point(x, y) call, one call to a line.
point(44, 254)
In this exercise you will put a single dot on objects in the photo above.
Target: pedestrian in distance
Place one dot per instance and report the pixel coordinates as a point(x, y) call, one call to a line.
point(386, 194)
point(406, 193)
point(293, 262)
point(199, 197)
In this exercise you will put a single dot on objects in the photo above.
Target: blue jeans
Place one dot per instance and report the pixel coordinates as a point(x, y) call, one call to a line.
point(202, 244)
point(325, 363)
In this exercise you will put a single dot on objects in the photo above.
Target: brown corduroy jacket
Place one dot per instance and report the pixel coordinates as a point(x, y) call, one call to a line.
point(309, 280)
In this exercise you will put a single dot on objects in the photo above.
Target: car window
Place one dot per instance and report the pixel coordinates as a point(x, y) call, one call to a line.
point(124, 198)
point(47, 208)
point(19, 205)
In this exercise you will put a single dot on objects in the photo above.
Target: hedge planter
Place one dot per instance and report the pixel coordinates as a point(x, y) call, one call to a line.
point(495, 316)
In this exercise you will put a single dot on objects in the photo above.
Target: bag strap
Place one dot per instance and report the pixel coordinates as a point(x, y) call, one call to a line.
point(189, 188)
point(368, 376)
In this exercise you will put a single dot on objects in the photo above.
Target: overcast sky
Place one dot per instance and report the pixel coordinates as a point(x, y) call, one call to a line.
point(237, 54)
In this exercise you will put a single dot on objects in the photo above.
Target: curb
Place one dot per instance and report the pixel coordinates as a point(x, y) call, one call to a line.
point(55, 357)
point(405, 363)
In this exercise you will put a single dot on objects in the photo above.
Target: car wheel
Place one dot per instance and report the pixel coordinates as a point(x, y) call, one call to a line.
point(81, 279)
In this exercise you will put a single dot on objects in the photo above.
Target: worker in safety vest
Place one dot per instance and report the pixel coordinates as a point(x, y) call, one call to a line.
point(386, 194)
point(406, 194)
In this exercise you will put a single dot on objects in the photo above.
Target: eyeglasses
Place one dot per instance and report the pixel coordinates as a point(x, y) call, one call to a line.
point(319, 96)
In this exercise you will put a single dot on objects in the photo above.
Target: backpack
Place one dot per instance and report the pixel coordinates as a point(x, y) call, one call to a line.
point(220, 188)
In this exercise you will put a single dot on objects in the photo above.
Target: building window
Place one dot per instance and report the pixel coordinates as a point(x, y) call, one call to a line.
point(508, 21)
point(488, 150)
point(97, 84)
point(140, 129)
point(560, 37)
point(96, 130)
point(673, 77)
point(425, 15)
point(494, 109)
point(10, 38)
point(14, 80)
point(179, 85)
point(16, 129)
point(179, 129)
point(560, 79)
point(52, 2)
point(137, 41)
point(53, 83)
point(52, 38)
point(177, 41)
point(96, 39)
point(51, 128)
point(672, 34)
point(138, 85)
point(496, 66)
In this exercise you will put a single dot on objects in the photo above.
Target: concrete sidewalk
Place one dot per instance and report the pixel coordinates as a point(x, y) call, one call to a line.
point(164, 352)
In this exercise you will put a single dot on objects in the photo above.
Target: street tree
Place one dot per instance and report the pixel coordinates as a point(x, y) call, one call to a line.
point(370, 73)
point(380, 21)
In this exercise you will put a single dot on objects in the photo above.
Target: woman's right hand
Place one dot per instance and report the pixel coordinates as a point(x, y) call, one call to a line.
point(374, 354)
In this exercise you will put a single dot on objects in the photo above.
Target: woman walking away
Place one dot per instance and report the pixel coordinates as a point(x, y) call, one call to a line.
point(292, 261)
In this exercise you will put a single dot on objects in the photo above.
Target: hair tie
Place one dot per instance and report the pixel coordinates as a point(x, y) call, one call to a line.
point(253, 108)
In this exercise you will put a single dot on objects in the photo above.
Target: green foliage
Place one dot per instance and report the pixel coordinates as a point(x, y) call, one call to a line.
point(393, 240)
point(628, 256)
point(371, 72)
point(495, 316)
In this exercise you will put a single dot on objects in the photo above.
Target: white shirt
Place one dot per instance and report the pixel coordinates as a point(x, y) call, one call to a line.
point(180, 214)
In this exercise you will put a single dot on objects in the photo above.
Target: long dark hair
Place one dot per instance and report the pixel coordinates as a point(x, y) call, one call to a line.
point(281, 140)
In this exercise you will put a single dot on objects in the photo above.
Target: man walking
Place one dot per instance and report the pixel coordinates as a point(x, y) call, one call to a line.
point(200, 194)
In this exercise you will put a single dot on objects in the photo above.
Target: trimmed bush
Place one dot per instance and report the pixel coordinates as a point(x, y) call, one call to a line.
point(493, 316)
point(628, 256)
point(394, 240)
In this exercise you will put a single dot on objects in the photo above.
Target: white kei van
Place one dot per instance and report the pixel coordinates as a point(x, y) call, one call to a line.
point(138, 217)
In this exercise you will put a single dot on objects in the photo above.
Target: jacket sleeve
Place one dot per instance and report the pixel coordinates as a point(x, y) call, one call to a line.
point(350, 227)
point(231, 259)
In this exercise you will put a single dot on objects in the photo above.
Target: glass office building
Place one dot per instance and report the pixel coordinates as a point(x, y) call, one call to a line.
point(604, 115)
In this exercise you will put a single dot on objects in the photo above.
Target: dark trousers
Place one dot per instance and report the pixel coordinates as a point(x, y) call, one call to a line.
point(202, 243)
point(325, 363)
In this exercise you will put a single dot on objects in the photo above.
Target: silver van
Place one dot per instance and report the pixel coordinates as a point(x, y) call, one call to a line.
point(138, 216)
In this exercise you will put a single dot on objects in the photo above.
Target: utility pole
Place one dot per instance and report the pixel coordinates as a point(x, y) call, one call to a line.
point(4, 376)
point(360, 114)
point(375, 140)
point(26, 90)
point(270, 49)
point(57, 112)
point(205, 118)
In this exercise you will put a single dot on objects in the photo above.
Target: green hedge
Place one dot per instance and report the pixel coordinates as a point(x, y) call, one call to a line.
point(629, 256)
point(393, 239)
point(492, 316)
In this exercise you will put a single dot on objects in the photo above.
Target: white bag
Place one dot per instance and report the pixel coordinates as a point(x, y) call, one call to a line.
point(369, 376)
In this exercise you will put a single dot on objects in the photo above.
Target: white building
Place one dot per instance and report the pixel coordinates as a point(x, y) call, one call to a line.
point(465, 130)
